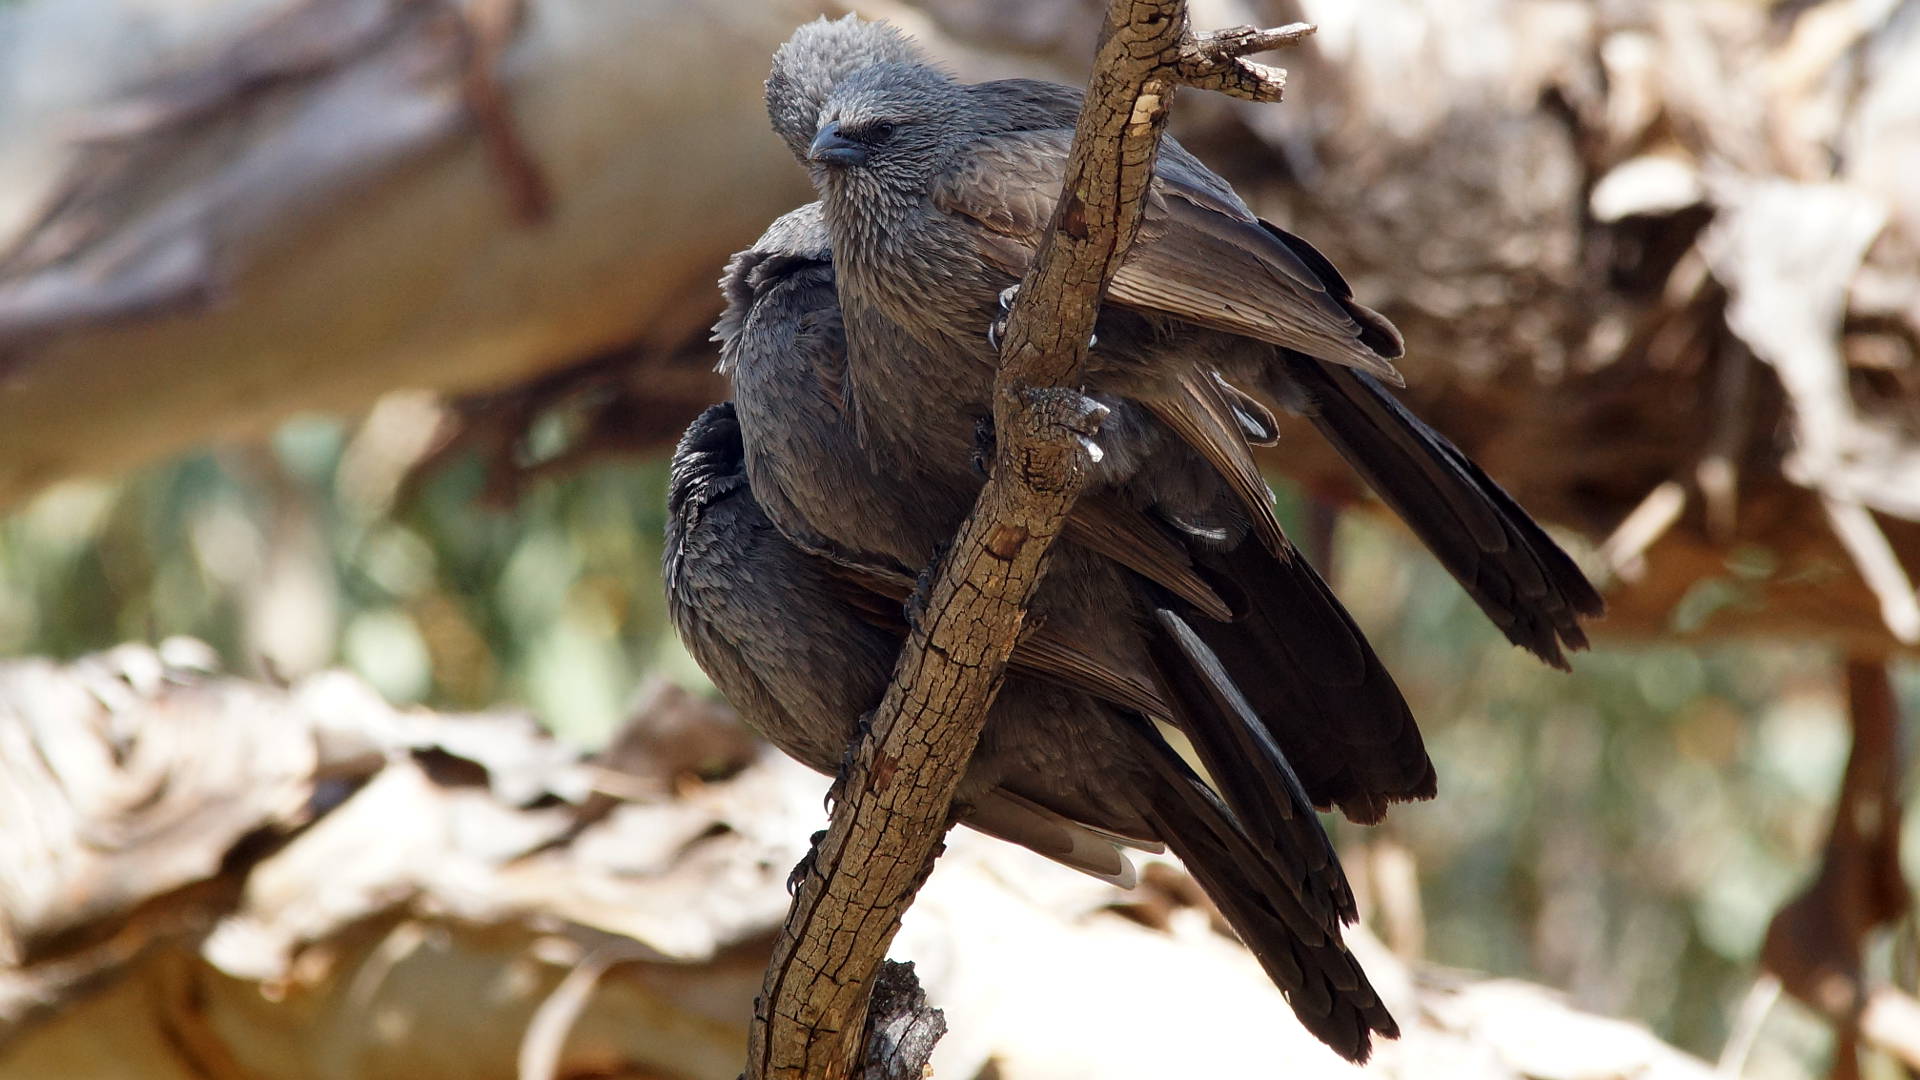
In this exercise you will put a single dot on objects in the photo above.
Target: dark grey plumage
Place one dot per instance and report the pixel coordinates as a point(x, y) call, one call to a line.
point(936, 218)
point(1175, 584)
point(898, 491)
point(1098, 628)
point(1066, 774)
point(1333, 710)
point(803, 652)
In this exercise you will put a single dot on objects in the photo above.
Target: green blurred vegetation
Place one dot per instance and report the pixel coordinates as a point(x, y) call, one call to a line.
point(1624, 832)
point(290, 557)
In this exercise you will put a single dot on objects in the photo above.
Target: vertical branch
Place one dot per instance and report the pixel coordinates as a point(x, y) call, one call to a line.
point(897, 803)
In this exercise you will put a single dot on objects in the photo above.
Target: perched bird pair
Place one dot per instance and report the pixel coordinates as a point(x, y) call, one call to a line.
point(857, 337)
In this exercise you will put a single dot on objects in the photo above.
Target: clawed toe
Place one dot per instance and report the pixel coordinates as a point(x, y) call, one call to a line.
point(997, 328)
point(798, 875)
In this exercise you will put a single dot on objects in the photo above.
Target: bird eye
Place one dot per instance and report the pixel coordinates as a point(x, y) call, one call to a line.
point(878, 133)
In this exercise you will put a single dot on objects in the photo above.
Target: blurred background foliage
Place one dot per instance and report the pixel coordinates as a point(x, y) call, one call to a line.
point(1624, 832)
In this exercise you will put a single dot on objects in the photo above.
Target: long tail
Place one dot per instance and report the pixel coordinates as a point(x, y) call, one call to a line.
point(1254, 775)
point(1322, 981)
point(1524, 582)
point(1314, 681)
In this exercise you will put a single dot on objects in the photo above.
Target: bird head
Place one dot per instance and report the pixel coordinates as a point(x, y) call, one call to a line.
point(815, 59)
point(886, 128)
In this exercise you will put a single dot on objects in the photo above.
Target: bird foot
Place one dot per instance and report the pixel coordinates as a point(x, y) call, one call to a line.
point(915, 607)
point(798, 875)
point(862, 727)
point(985, 443)
point(1079, 411)
point(997, 329)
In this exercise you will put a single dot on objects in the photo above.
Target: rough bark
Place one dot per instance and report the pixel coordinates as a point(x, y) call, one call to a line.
point(1817, 943)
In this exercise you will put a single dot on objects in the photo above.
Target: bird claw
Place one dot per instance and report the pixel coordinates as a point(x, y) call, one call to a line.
point(915, 607)
point(798, 875)
point(998, 326)
point(862, 727)
point(985, 443)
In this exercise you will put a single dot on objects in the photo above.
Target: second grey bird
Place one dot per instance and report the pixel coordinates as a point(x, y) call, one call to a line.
point(1093, 633)
point(803, 652)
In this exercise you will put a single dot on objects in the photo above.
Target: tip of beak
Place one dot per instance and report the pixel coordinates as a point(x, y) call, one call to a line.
point(831, 148)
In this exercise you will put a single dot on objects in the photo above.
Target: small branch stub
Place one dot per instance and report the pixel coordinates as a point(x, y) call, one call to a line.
point(1216, 60)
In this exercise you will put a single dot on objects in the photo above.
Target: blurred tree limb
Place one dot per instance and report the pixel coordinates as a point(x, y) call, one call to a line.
point(215, 215)
point(1816, 945)
point(322, 867)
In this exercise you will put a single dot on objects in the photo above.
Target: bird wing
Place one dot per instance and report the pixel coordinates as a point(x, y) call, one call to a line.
point(1323, 983)
point(1197, 258)
point(1008, 816)
point(1518, 575)
point(877, 598)
point(1104, 526)
point(1204, 418)
point(1253, 774)
point(1311, 676)
point(1049, 656)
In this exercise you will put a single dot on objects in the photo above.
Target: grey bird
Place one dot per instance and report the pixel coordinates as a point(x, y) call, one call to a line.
point(893, 494)
point(945, 210)
point(1096, 628)
point(1333, 714)
point(897, 492)
point(803, 652)
point(1166, 590)
point(881, 508)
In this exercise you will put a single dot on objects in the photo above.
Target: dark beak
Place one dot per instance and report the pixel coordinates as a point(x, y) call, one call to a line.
point(832, 148)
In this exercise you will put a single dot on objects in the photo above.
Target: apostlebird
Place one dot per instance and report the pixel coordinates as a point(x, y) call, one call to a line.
point(1519, 577)
point(896, 489)
point(1098, 628)
point(1122, 637)
point(935, 205)
point(803, 651)
point(1168, 588)
point(1333, 715)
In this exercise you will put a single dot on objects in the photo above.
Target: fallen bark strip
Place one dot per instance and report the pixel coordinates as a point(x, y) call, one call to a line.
point(897, 800)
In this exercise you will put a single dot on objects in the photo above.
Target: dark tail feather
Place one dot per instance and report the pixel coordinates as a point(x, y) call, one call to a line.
point(1321, 980)
point(1524, 582)
point(1315, 682)
point(1254, 776)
